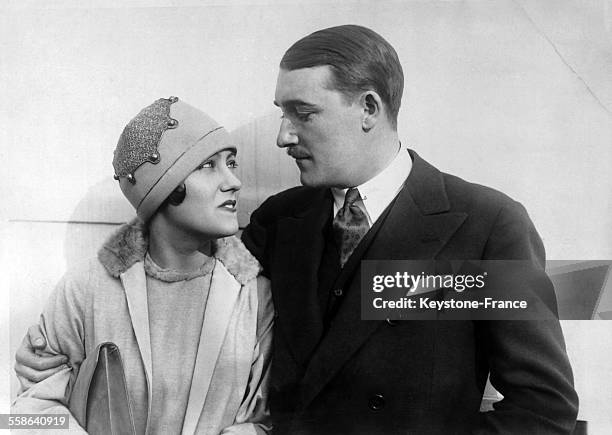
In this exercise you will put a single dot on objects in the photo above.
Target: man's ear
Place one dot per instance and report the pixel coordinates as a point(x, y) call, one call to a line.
point(372, 107)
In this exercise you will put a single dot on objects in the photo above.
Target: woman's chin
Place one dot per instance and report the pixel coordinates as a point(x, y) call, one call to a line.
point(227, 230)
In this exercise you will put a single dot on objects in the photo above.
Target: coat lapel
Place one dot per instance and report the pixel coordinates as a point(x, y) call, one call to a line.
point(224, 290)
point(300, 238)
point(135, 285)
point(417, 226)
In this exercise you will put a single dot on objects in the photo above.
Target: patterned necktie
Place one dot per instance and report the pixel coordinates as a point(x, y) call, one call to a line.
point(350, 225)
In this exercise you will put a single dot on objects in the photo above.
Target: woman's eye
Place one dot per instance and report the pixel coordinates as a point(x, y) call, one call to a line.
point(232, 164)
point(207, 164)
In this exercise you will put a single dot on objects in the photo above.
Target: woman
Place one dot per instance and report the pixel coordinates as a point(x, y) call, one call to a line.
point(183, 302)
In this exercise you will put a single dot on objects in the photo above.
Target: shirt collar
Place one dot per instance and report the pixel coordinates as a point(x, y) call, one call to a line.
point(378, 192)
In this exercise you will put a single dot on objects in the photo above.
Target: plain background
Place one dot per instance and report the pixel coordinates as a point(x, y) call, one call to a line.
point(516, 95)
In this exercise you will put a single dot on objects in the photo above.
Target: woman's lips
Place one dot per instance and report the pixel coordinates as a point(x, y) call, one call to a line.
point(229, 205)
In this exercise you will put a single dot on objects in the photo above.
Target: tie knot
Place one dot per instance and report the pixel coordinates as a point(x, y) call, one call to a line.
point(351, 196)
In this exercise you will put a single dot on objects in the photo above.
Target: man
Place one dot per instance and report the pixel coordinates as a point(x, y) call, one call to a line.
point(366, 197)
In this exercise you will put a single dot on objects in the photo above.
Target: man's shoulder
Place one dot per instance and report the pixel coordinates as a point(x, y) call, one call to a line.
point(468, 196)
point(435, 191)
point(293, 202)
point(290, 202)
point(487, 208)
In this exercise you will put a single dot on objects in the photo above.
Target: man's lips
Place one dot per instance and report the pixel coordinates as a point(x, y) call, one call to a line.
point(296, 154)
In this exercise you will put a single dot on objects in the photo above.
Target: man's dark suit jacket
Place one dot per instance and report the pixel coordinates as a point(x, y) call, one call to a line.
point(407, 377)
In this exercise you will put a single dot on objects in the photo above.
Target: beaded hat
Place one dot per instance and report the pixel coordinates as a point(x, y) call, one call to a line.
point(160, 147)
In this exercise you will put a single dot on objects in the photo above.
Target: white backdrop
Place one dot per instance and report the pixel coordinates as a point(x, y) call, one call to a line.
point(513, 94)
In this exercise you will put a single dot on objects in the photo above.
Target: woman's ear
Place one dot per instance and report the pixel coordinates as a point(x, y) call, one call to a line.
point(372, 108)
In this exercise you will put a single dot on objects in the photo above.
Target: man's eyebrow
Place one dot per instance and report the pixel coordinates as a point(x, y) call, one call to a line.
point(294, 103)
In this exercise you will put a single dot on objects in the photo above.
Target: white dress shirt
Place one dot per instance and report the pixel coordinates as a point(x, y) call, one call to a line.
point(378, 192)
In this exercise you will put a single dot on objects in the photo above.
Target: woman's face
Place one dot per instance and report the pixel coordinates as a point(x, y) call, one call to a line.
point(209, 207)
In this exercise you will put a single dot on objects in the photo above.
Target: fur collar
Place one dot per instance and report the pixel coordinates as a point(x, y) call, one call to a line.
point(128, 245)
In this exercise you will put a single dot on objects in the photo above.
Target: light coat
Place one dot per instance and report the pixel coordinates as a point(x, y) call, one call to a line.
point(106, 300)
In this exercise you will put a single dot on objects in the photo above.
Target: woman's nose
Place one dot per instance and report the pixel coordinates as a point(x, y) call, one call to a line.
point(231, 182)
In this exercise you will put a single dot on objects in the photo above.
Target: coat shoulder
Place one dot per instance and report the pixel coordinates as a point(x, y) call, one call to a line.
point(501, 223)
point(482, 202)
point(289, 202)
point(237, 259)
point(463, 193)
point(85, 279)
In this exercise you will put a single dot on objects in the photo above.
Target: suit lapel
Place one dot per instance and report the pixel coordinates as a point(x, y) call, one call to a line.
point(300, 239)
point(417, 226)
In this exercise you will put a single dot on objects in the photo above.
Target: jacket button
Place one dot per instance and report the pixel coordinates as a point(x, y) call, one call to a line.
point(376, 402)
point(338, 292)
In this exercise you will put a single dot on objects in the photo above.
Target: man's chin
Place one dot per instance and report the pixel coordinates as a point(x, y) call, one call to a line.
point(313, 179)
point(309, 180)
point(308, 176)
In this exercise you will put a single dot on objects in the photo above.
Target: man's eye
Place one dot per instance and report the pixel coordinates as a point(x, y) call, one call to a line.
point(232, 164)
point(303, 116)
point(206, 164)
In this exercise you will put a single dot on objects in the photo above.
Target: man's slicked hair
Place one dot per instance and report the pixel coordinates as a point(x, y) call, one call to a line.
point(360, 60)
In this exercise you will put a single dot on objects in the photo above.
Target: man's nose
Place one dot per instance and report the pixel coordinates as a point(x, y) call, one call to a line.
point(286, 134)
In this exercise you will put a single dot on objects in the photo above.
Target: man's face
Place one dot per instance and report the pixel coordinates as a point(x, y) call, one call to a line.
point(320, 127)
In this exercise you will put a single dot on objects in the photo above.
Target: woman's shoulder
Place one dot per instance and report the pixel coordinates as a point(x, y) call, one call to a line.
point(237, 259)
point(126, 246)
point(85, 270)
point(245, 268)
point(83, 280)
